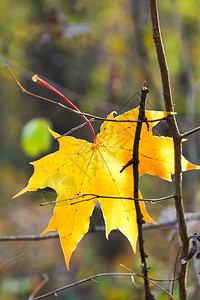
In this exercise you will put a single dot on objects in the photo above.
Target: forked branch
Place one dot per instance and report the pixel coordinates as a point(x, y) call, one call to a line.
point(80, 113)
point(91, 278)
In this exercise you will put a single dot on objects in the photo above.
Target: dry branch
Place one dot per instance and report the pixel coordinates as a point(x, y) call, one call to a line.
point(177, 143)
point(166, 224)
point(11, 260)
point(94, 118)
point(39, 287)
point(184, 135)
point(95, 196)
point(135, 162)
point(91, 278)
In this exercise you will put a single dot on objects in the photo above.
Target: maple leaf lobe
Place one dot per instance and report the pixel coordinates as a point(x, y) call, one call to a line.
point(80, 167)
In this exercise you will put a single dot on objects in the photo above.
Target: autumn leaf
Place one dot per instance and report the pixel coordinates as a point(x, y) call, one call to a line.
point(80, 167)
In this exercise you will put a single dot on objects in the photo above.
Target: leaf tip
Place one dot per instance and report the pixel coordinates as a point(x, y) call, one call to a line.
point(53, 133)
point(20, 193)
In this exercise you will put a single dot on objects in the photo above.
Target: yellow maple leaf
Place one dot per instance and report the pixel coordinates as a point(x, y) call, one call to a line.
point(80, 167)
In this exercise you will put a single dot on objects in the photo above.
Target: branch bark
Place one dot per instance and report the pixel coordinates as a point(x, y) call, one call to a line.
point(166, 224)
point(143, 255)
point(177, 143)
point(91, 278)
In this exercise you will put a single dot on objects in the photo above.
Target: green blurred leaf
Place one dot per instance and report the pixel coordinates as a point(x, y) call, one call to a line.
point(15, 286)
point(35, 137)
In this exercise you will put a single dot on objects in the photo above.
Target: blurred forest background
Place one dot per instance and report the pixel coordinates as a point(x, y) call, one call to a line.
point(98, 53)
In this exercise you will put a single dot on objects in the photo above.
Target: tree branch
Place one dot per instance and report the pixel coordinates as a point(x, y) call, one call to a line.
point(184, 135)
point(95, 196)
point(35, 237)
point(152, 280)
point(74, 129)
point(177, 143)
point(40, 286)
point(94, 118)
point(143, 255)
point(102, 275)
point(11, 260)
point(83, 281)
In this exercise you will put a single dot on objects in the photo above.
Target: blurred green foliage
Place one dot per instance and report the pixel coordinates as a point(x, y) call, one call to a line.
point(98, 53)
point(35, 137)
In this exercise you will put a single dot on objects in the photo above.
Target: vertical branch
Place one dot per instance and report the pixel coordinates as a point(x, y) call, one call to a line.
point(190, 91)
point(177, 143)
point(141, 117)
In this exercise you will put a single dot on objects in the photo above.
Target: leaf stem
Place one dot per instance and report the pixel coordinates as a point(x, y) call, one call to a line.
point(36, 78)
point(94, 117)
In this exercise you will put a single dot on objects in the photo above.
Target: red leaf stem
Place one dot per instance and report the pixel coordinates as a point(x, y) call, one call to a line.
point(35, 78)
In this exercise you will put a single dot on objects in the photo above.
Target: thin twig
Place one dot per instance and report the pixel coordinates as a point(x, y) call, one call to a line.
point(83, 281)
point(91, 279)
point(184, 135)
point(40, 286)
point(74, 129)
point(129, 198)
point(152, 280)
point(175, 268)
point(170, 239)
point(35, 237)
point(107, 197)
point(177, 143)
point(169, 223)
point(28, 237)
point(190, 96)
point(11, 260)
point(95, 118)
point(94, 196)
point(139, 216)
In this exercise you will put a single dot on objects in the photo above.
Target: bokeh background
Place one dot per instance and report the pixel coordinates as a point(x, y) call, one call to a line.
point(98, 53)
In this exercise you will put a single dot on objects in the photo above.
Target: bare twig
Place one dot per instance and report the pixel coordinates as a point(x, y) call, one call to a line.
point(83, 281)
point(91, 278)
point(184, 135)
point(94, 118)
point(152, 280)
point(11, 260)
point(177, 143)
point(40, 286)
point(169, 223)
point(28, 237)
point(95, 196)
point(35, 237)
point(170, 240)
point(139, 216)
point(190, 94)
point(129, 198)
point(175, 268)
point(74, 129)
